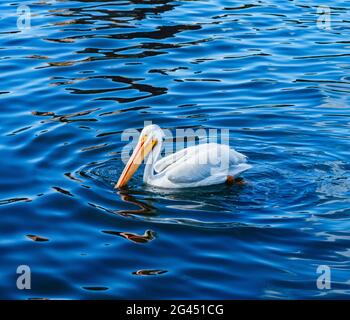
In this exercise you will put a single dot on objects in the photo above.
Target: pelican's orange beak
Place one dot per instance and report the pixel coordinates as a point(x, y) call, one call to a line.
point(143, 148)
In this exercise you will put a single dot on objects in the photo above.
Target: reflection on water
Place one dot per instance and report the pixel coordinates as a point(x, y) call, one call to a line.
point(88, 70)
point(149, 235)
point(145, 209)
point(37, 238)
point(149, 272)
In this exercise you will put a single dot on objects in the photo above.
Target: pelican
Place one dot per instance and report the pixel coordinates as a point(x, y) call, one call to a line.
point(196, 166)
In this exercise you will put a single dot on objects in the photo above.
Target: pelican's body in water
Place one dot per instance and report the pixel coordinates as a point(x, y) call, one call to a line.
point(196, 166)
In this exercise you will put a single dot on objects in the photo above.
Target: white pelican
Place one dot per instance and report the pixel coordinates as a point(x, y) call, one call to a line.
point(201, 165)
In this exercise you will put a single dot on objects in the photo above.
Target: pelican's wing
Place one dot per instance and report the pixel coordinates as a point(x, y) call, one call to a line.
point(165, 162)
point(190, 174)
point(193, 151)
point(206, 164)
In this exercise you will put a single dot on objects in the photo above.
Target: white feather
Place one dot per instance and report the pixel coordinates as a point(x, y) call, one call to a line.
point(200, 165)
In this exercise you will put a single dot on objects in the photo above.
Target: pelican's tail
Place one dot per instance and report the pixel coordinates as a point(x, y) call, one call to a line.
point(236, 170)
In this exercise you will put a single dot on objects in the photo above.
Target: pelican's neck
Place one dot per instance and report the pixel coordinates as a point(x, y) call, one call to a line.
point(151, 161)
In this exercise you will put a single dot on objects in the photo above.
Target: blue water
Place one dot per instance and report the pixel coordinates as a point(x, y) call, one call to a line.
point(87, 70)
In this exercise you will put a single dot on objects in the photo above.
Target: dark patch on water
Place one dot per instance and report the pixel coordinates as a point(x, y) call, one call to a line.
point(37, 238)
point(149, 272)
point(148, 236)
point(95, 288)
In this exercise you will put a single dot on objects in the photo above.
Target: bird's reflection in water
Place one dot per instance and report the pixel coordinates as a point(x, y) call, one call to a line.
point(145, 208)
point(145, 200)
point(193, 207)
point(182, 199)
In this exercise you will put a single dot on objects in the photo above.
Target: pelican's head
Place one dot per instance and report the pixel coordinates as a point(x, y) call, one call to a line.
point(150, 136)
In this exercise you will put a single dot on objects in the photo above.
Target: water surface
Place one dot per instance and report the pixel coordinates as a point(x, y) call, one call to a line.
point(87, 70)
